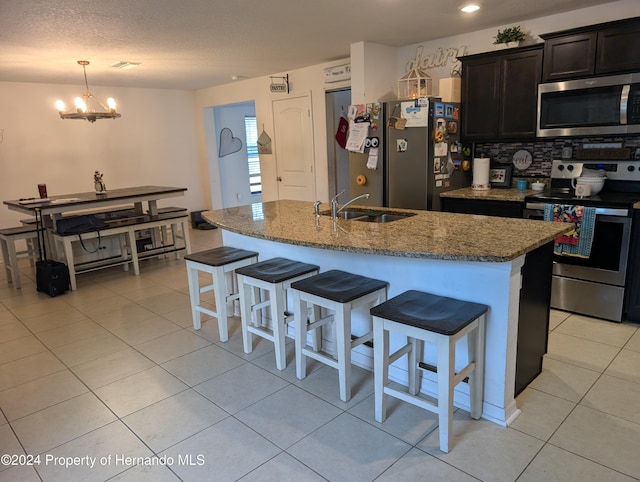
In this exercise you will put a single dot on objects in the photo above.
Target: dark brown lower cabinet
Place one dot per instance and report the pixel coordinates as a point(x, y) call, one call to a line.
point(535, 294)
point(533, 320)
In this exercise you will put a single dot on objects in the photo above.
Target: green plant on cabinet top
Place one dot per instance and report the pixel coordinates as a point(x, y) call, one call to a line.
point(509, 34)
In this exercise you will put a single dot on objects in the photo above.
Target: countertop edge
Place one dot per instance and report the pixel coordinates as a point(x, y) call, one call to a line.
point(360, 250)
point(291, 226)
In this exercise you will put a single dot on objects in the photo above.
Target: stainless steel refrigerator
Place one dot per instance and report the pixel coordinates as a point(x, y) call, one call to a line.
point(423, 153)
point(365, 175)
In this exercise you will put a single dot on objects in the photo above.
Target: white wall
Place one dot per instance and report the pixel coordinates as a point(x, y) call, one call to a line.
point(373, 77)
point(482, 40)
point(154, 143)
point(307, 81)
point(337, 104)
point(234, 168)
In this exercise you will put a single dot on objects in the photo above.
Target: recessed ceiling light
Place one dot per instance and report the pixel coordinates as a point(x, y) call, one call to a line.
point(470, 8)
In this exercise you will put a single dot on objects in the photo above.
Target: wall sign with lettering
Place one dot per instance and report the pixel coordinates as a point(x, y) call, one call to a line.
point(440, 58)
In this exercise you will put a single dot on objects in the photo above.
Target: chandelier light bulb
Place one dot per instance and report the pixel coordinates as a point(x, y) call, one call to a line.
point(111, 103)
point(80, 104)
point(60, 105)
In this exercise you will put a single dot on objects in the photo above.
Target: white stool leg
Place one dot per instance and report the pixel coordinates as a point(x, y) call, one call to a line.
point(133, 247)
point(6, 259)
point(381, 367)
point(68, 256)
point(220, 295)
point(186, 236)
point(316, 335)
point(174, 238)
point(124, 256)
point(475, 343)
point(31, 250)
point(413, 357)
point(343, 348)
point(194, 294)
point(15, 271)
point(245, 312)
point(278, 307)
point(446, 360)
point(299, 313)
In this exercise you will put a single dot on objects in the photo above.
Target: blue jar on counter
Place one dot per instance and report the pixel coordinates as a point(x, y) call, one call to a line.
point(522, 184)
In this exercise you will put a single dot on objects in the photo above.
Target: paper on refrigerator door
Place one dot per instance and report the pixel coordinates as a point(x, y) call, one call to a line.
point(358, 132)
point(415, 116)
point(372, 160)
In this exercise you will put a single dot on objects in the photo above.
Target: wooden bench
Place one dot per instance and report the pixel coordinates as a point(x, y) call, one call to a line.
point(126, 228)
point(10, 254)
point(112, 213)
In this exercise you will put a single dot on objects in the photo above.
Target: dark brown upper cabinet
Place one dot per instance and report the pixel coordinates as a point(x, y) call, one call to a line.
point(499, 94)
point(609, 48)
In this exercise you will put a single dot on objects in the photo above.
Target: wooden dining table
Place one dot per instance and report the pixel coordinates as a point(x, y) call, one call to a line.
point(55, 206)
point(141, 201)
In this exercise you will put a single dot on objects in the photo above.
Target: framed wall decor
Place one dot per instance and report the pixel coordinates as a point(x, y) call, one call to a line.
point(500, 176)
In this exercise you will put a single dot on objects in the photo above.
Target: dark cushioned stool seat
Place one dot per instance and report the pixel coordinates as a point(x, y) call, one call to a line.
point(439, 314)
point(273, 276)
point(339, 286)
point(277, 270)
point(220, 256)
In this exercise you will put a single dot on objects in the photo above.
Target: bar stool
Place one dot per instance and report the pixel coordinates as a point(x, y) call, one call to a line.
point(339, 292)
point(275, 277)
point(11, 255)
point(436, 319)
point(221, 263)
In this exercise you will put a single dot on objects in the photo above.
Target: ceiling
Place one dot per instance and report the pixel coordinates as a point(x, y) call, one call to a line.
point(191, 44)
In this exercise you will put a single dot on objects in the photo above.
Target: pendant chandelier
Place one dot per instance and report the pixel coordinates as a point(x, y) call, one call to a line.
point(88, 107)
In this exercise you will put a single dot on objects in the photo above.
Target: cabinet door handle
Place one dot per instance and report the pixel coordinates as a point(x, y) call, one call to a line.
point(279, 179)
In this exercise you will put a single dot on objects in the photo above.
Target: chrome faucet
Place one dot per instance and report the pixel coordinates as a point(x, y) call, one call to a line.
point(334, 203)
point(316, 208)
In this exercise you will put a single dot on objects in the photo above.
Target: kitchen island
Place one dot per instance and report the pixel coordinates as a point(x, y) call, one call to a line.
point(474, 258)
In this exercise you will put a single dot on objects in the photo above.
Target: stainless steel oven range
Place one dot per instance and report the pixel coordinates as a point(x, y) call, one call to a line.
point(593, 286)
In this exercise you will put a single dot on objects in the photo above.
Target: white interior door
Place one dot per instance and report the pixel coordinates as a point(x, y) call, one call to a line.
point(294, 148)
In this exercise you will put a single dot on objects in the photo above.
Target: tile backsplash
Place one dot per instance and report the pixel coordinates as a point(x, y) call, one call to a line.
point(543, 152)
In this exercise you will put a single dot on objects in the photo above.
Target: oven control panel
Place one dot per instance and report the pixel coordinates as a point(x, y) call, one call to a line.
point(614, 170)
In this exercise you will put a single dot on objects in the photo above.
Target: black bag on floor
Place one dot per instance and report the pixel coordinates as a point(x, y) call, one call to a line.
point(52, 277)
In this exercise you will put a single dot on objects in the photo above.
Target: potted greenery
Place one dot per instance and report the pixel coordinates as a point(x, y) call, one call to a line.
point(510, 36)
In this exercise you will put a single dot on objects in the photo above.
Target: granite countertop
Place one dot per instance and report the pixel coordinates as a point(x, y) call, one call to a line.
point(496, 194)
point(427, 234)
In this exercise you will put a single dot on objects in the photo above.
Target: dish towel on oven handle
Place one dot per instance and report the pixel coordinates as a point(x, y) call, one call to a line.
point(578, 241)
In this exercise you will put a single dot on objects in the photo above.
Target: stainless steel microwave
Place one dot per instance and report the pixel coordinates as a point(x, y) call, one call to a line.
point(593, 106)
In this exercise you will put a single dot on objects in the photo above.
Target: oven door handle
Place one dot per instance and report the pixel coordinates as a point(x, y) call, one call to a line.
point(599, 211)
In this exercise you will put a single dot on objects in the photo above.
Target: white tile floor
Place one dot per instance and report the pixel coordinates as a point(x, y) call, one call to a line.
point(115, 370)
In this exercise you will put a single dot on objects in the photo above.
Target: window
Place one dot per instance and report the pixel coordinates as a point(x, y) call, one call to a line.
point(251, 129)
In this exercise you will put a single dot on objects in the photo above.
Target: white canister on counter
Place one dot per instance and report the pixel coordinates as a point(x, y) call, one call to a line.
point(481, 181)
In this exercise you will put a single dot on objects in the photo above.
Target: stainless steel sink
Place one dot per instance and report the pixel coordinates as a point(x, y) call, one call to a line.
point(350, 214)
point(369, 216)
point(385, 217)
